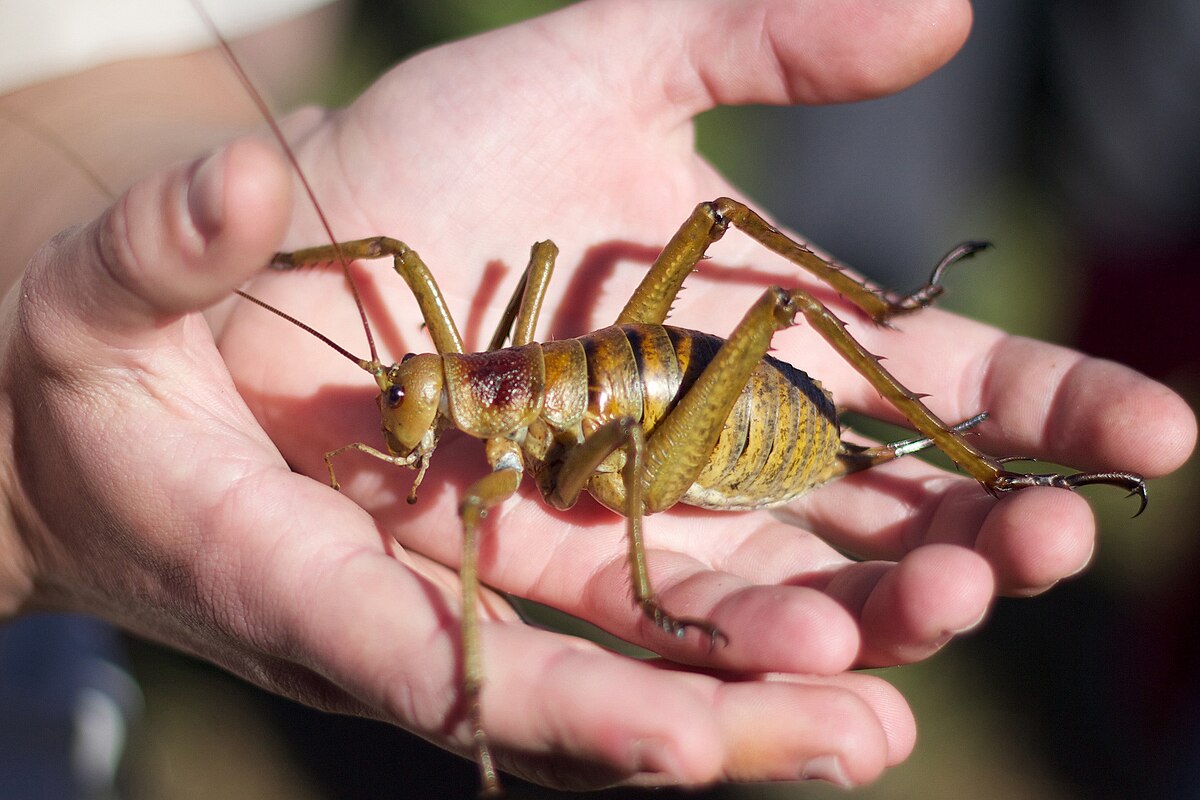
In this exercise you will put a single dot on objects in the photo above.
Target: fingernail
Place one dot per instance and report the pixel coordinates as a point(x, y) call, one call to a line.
point(972, 625)
point(206, 196)
point(940, 642)
point(826, 768)
point(949, 634)
point(652, 756)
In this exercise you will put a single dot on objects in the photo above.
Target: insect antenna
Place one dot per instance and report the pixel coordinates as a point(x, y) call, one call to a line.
point(265, 111)
point(367, 365)
point(50, 138)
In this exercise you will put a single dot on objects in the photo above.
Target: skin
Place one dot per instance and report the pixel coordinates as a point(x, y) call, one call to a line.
point(147, 474)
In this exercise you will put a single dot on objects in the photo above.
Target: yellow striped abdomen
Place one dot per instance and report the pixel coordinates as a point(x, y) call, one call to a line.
point(780, 439)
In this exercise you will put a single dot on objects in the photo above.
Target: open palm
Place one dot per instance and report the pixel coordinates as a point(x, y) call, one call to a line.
point(575, 127)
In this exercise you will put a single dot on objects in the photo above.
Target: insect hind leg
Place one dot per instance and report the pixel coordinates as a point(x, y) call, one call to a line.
point(579, 469)
point(986, 469)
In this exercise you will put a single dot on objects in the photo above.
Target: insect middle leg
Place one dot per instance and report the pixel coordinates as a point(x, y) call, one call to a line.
point(572, 477)
point(526, 302)
point(652, 300)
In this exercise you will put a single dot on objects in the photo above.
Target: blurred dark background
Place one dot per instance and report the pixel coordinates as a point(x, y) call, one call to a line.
point(1068, 133)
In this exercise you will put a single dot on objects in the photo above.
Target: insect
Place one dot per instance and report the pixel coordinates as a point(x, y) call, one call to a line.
point(642, 415)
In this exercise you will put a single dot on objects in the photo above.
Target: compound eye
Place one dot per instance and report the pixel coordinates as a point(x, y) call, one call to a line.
point(395, 395)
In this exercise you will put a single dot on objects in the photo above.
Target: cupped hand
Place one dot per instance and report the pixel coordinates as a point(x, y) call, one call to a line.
point(148, 492)
point(141, 489)
point(578, 127)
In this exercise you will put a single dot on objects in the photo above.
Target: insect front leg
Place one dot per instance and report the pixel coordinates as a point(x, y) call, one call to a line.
point(407, 263)
point(483, 495)
point(421, 462)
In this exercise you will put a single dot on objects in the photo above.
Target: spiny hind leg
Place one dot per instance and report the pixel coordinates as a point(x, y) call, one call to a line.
point(880, 305)
point(988, 470)
point(682, 442)
point(1134, 483)
point(651, 301)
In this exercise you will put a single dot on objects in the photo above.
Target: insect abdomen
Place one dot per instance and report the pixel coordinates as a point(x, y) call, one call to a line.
point(780, 439)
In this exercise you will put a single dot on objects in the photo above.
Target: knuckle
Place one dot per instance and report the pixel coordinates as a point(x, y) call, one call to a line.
point(42, 321)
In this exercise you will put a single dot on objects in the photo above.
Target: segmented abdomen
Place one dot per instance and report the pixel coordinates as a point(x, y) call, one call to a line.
point(780, 439)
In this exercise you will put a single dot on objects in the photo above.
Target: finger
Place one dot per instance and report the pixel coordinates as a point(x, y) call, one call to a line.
point(903, 611)
point(580, 716)
point(649, 726)
point(579, 563)
point(1031, 539)
point(1082, 411)
point(765, 584)
point(782, 599)
point(909, 610)
point(733, 53)
point(298, 580)
point(843, 730)
point(173, 243)
point(768, 627)
point(1043, 400)
point(134, 429)
point(762, 627)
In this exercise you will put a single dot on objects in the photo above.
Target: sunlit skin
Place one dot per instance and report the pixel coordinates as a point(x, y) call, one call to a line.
point(639, 415)
point(150, 469)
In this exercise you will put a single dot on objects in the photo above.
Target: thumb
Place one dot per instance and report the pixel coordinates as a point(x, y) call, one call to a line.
point(735, 52)
point(174, 243)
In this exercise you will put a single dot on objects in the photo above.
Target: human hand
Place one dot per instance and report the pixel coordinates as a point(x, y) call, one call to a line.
point(211, 545)
point(141, 490)
point(578, 127)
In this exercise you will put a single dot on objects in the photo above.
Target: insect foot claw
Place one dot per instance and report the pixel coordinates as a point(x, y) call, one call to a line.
point(1011, 481)
point(933, 289)
point(678, 626)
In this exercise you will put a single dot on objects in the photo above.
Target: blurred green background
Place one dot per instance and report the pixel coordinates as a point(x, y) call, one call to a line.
point(1082, 693)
